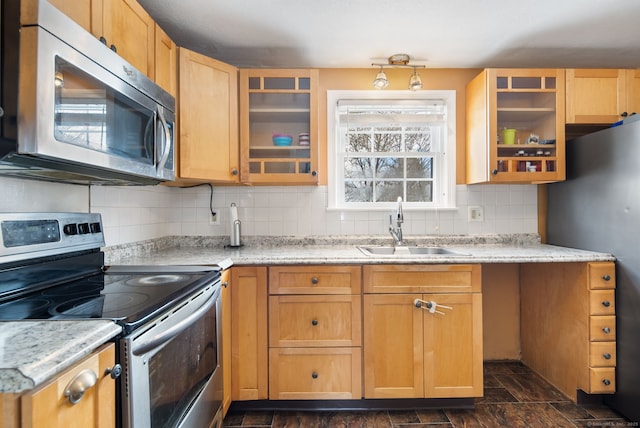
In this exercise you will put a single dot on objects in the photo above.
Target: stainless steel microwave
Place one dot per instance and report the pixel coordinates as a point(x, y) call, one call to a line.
point(72, 110)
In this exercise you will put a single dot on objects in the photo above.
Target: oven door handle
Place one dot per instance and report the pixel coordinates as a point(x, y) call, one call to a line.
point(172, 332)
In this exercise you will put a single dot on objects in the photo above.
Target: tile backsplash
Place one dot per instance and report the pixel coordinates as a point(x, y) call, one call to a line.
point(137, 213)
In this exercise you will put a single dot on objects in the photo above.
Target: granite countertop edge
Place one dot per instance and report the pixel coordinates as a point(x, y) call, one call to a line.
point(32, 352)
point(209, 250)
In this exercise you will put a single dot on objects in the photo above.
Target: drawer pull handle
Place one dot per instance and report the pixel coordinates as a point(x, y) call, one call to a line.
point(114, 371)
point(314, 375)
point(79, 385)
point(314, 280)
point(606, 330)
point(607, 356)
point(606, 303)
point(606, 382)
point(314, 322)
point(606, 277)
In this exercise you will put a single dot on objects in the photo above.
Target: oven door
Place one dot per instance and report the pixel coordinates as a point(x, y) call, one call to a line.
point(172, 366)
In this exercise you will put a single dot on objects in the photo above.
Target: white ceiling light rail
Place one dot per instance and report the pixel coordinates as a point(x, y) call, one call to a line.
point(401, 61)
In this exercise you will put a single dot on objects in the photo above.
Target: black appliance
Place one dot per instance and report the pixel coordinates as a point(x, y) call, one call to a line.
point(598, 208)
point(51, 267)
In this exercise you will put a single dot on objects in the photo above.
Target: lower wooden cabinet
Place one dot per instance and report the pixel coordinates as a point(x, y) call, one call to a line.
point(568, 325)
point(249, 357)
point(422, 345)
point(47, 405)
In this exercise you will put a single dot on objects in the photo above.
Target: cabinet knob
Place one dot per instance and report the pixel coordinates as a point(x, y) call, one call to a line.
point(494, 171)
point(114, 371)
point(234, 171)
point(314, 375)
point(624, 114)
point(314, 173)
point(314, 280)
point(79, 385)
point(103, 40)
point(606, 356)
point(606, 330)
point(314, 322)
point(225, 284)
point(606, 303)
point(606, 277)
point(113, 48)
point(606, 382)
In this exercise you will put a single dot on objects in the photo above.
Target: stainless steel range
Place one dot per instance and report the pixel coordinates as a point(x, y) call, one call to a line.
point(51, 267)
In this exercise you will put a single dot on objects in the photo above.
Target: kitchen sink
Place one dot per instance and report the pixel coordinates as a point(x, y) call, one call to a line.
point(388, 250)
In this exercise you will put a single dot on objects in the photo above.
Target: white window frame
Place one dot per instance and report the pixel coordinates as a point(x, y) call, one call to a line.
point(444, 189)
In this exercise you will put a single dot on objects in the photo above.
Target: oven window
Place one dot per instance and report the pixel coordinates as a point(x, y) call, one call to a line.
point(178, 372)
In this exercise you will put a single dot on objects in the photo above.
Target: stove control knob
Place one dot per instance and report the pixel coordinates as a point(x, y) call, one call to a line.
point(70, 229)
point(114, 371)
point(95, 227)
point(83, 228)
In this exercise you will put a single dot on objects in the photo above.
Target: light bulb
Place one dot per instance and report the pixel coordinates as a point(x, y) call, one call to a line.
point(381, 81)
point(415, 82)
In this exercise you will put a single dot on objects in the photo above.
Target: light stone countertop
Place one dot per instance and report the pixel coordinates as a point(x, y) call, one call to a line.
point(32, 352)
point(339, 250)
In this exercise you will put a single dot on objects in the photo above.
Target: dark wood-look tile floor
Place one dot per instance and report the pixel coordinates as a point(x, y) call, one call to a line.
point(514, 396)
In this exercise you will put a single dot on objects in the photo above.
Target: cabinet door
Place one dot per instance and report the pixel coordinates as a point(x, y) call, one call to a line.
point(166, 62)
point(249, 370)
point(453, 346)
point(226, 340)
point(131, 30)
point(633, 92)
point(48, 407)
point(86, 13)
point(208, 103)
point(595, 95)
point(393, 351)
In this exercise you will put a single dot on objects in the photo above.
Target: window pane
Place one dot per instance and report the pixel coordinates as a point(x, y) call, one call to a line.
point(358, 168)
point(359, 140)
point(388, 191)
point(419, 191)
point(358, 191)
point(389, 168)
point(387, 142)
point(418, 140)
point(419, 168)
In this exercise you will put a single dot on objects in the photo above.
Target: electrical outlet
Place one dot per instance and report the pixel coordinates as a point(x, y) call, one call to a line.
point(214, 218)
point(476, 214)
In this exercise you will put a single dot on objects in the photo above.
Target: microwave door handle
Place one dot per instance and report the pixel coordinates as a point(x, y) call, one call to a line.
point(169, 334)
point(166, 147)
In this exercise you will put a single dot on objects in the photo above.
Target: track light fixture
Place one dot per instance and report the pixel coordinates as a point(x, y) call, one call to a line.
point(402, 61)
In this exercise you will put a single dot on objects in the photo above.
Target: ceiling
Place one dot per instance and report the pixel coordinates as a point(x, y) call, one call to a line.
point(438, 34)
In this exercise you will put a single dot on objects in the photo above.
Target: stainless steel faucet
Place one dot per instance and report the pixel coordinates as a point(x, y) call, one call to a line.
point(396, 232)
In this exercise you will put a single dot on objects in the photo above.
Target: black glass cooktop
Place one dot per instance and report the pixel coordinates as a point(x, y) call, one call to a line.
point(129, 298)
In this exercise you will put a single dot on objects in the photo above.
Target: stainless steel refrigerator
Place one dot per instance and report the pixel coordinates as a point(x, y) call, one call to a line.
point(598, 208)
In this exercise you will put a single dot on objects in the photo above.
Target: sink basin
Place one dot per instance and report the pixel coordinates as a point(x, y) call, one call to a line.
point(383, 250)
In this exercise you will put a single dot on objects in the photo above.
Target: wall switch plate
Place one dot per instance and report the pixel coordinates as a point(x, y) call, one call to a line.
point(476, 214)
point(214, 218)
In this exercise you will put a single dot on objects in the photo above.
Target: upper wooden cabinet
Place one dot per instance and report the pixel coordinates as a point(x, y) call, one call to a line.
point(530, 103)
point(279, 102)
point(166, 61)
point(601, 96)
point(130, 31)
point(208, 118)
point(86, 13)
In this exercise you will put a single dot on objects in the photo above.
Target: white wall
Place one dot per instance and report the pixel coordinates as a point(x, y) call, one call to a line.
point(145, 212)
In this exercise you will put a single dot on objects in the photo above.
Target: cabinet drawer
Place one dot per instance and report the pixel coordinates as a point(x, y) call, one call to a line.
point(602, 354)
point(315, 373)
point(602, 380)
point(602, 275)
point(602, 302)
point(314, 280)
point(602, 328)
point(332, 320)
point(422, 278)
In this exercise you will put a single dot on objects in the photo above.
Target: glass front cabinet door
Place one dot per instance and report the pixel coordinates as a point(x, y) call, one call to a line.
point(515, 126)
point(279, 126)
